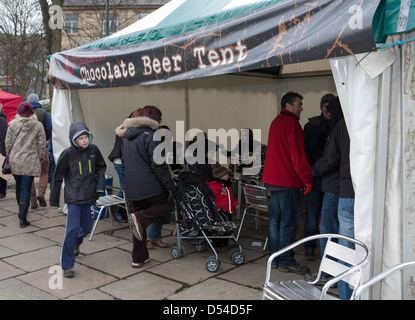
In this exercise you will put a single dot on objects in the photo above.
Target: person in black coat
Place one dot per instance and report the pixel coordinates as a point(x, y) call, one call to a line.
point(3, 132)
point(316, 132)
point(148, 182)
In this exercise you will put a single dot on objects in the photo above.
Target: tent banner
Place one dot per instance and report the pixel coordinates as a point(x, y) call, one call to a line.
point(281, 33)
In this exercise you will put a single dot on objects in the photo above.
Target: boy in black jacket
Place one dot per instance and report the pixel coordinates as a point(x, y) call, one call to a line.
point(82, 167)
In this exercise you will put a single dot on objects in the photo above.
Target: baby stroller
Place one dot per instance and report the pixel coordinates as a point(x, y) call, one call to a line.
point(199, 223)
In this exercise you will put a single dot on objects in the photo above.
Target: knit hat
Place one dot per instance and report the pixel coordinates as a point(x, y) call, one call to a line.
point(33, 97)
point(25, 110)
point(219, 171)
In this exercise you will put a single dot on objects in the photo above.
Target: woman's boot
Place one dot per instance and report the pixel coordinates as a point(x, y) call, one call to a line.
point(23, 209)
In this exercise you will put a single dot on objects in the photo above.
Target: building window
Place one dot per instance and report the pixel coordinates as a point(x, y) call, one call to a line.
point(71, 23)
point(112, 23)
point(141, 16)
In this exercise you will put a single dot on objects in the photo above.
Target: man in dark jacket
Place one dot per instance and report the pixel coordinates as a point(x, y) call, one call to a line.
point(330, 175)
point(82, 167)
point(148, 182)
point(3, 131)
point(316, 132)
point(337, 154)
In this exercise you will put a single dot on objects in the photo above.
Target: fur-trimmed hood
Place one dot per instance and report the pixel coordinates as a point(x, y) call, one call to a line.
point(18, 118)
point(136, 122)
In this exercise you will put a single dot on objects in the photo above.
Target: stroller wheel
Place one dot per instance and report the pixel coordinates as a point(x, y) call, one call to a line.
point(200, 247)
point(176, 253)
point(237, 257)
point(212, 265)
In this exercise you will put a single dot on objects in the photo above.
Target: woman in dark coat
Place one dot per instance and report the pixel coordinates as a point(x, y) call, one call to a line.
point(148, 183)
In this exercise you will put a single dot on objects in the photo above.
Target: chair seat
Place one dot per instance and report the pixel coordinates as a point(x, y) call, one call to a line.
point(294, 290)
point(110, 200)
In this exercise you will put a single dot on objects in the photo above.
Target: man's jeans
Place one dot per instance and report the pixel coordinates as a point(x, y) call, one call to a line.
point(284, 217)
point(346, 228)
point(154, 233)
point(313, 203)
point(329, 218)
point(120, 171)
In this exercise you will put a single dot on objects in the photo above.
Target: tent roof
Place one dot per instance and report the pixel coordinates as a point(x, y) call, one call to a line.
point(197, 38)
point(392, 17)
point(179, 16)
point(10, 102)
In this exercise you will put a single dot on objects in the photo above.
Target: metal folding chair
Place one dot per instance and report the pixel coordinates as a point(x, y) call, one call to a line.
point(339, 261)
point(256, 199)
point(358, 292)
point(108, 201)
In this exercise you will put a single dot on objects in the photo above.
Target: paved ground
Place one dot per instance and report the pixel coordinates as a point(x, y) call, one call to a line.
point(29, 260)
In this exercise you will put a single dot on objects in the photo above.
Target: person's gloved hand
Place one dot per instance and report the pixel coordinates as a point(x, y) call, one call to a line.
point(308, 187)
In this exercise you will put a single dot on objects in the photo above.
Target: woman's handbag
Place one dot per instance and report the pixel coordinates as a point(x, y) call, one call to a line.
point(5, 168)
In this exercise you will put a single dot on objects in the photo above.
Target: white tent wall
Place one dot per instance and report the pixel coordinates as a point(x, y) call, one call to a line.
point(228, 101)
point(380, 117)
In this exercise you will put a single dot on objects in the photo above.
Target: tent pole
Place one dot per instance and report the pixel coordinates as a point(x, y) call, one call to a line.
point(380, 182)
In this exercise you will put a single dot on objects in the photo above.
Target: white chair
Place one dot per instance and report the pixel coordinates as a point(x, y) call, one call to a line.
point(333, 253)
point(358, 292)
point(256, 198)
point(108, 201)
point(240, 179)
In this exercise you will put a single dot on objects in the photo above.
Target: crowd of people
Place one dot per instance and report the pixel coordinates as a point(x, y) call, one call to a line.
point(313, 162)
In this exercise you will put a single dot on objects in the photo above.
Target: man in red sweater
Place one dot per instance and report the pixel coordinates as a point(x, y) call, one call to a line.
point(286, 172)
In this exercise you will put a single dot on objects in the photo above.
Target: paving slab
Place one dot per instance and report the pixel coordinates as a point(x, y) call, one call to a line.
point(217, 289)
point(26, 242)
point(56, 233)
point(116, 262)
point(85, 279)
point(37, 259)
point(142, 286)
point(93, 294)
point(6, 252)
point(190, 269)
point(9, 271)
point(14, 289)
point(100, 242)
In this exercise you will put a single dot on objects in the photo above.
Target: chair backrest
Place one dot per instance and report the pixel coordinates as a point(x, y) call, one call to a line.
point(343, 260)
point(338, 258)
point(255, 196)
point(356, 295)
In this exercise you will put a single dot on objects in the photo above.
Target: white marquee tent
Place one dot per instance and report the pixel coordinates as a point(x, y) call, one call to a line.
point(203, 64)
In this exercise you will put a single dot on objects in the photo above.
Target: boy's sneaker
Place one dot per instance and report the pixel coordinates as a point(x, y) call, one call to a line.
point(137, 229)
point(68, 273)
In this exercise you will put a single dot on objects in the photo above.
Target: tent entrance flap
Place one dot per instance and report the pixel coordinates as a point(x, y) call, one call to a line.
point(281, 33)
